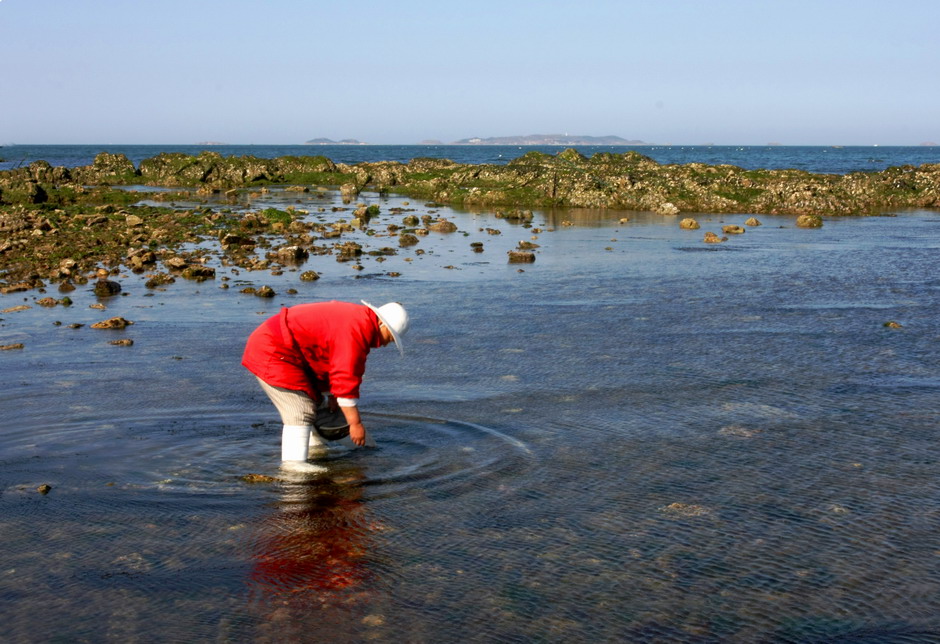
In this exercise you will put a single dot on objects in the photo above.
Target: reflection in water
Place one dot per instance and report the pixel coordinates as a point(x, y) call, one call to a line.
point(311, 558)
point(642, 444)
point(315, 540)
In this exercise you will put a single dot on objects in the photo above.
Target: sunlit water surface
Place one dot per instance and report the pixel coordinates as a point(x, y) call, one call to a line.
point(639, 437)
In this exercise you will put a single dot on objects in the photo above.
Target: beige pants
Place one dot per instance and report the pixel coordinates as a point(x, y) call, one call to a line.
point(295, 407)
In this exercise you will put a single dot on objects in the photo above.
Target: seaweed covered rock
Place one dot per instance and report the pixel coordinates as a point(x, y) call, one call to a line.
point(809, 221)
point(107, 168)
point(443, 226)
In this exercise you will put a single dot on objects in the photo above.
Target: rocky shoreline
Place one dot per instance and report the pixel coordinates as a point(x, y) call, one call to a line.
point(62, 224)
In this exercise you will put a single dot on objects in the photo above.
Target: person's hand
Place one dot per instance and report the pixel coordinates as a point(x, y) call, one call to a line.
point(357, 434)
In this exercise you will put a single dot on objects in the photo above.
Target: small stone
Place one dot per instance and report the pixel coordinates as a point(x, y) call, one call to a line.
point(176, 263)
point(891, 324)
point(113, 323)
point(97, 305)
point(309, 276)
point(405, 240)
point(809, 221)
point(667, 208)
point(712, 238)
point(198, 273)
point(732, 230)
point(521, 257)
point(45, 488)
point(752, 221)
point(11, 347)
point(106, 288)
point(47, 301)
point(689, 224)
point(265, 291)
point(124, 342)
point(443, 226)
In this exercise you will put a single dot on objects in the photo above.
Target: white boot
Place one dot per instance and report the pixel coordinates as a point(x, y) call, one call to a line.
point(295, 441)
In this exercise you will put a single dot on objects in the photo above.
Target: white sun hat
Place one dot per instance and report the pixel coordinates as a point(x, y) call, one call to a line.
point(395, 318)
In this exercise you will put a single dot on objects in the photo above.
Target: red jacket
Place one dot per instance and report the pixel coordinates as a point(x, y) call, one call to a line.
point(319, 347)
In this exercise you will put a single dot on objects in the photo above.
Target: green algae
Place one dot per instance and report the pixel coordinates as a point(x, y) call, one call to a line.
point(94, 214)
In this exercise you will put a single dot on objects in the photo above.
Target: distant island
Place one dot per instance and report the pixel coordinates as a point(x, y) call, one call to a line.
point(531, 139)
point(211, 143)
point(549, 139)
point(322, 141)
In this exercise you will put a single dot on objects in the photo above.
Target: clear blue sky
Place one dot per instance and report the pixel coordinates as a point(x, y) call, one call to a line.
point(798, 72)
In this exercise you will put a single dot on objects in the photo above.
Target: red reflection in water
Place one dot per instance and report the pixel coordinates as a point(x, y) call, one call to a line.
point(316, 541)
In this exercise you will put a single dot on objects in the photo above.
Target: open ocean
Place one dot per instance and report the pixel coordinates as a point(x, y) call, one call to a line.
point(638, 438)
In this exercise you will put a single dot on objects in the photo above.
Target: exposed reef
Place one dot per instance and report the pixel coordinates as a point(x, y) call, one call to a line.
point(62, 224)
point(629, 181)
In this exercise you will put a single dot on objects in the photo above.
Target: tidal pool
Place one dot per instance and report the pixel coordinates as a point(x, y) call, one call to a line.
point(639, 437)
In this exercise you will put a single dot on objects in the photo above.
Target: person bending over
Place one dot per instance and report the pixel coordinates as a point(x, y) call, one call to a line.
point(311, 351)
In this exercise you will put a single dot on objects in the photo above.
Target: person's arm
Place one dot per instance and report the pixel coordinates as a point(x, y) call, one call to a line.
point(357, 433)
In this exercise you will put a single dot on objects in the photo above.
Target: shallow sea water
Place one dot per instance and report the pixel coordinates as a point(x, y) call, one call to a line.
point(639, 437)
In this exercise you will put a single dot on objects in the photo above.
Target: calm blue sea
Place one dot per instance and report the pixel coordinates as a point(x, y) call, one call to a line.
point(823, 159)
point(639, 437)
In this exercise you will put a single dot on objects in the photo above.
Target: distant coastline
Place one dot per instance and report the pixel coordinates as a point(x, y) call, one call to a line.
point(550, 139)
point(324, 141)
point(529, 139)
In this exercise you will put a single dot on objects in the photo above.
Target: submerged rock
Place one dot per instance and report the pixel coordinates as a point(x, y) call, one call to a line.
point(686, 510)
point(258, 478)
point(732, 230)
point(752, 221)
point(689, 224)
